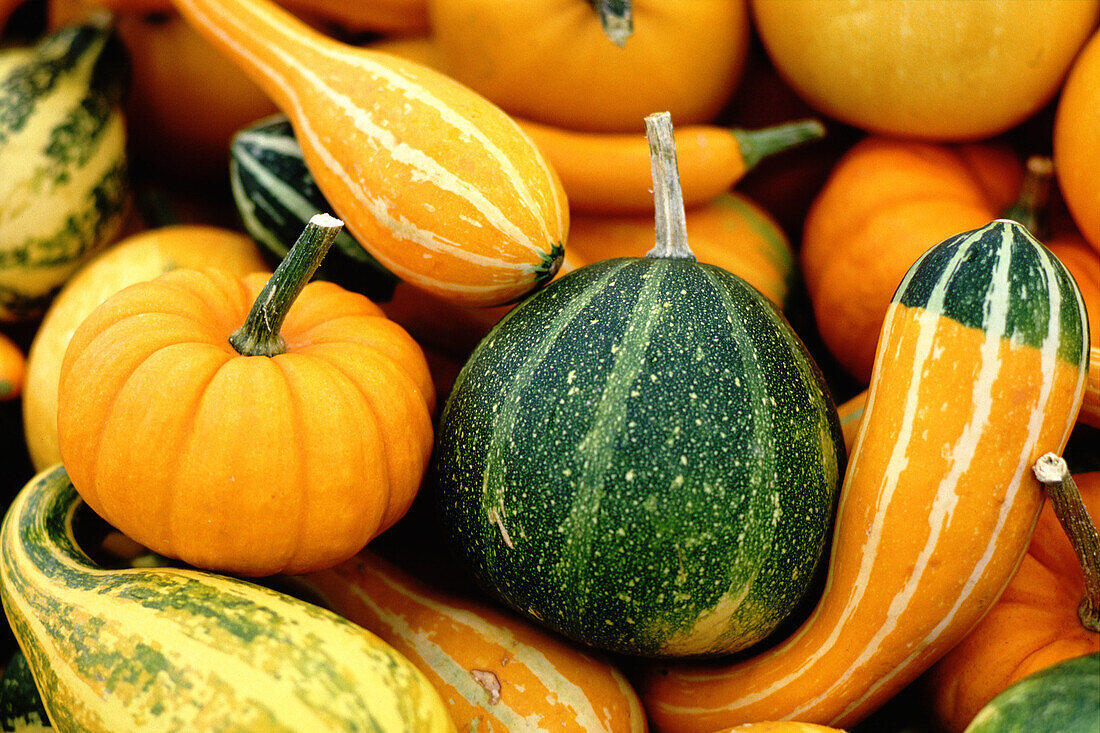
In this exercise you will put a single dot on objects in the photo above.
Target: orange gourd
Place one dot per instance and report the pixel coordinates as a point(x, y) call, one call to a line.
point(1034, 624)
point(941, 70)
point(885, 203)
point(439, 184)
point(550, 60)
point(272, 446)
point(938, 501)
point(13, 368)
point(780, 726)
point(1076, 144)
point(496, 671)
point(7, 7)
point(136, 258)
point(730, 231)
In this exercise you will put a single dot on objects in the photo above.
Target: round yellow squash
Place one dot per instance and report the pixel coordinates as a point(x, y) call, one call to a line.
point(930, 69)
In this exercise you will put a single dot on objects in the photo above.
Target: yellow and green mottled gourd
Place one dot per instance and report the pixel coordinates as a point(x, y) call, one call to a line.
point(171, 649)
point(63, 187)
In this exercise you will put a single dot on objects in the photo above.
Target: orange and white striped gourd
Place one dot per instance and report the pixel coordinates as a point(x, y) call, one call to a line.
point(439, 184)
point(496, 671)
point(980, 370)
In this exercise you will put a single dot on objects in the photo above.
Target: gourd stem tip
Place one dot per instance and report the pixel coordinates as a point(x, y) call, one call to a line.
point(755, 145)
point(670, 222)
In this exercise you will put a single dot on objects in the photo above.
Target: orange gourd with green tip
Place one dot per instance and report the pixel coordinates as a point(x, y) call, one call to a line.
point(273, 446)
point(13, 369)
point(980, 370)
point(438, 183)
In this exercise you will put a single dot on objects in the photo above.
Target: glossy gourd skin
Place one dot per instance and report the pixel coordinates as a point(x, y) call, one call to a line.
point(980, 370)
point(250, 464)
point(440, 184)
point(1034, 624)
point(1076, 147)
point(643, 458)
point(942, 70)
point(176, 649)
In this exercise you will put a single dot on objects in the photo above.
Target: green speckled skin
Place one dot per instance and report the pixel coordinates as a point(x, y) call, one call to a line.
point(642, 457)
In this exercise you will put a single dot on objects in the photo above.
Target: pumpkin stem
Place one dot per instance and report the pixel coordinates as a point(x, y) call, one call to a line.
point(1030, 208)
point(668, 199)
point(1052, 472)
point(755, 145)
point(616, 19)
point(259, 336)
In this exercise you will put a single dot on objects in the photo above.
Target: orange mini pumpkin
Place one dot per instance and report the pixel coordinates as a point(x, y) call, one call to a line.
point(1076, 144)
point(279, 446)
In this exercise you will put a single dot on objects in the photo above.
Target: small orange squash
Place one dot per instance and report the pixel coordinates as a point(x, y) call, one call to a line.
point(1076, 144)
point(550, 60)
point(496, 671)
point(276, 446)
point(438, 184)
point(885, 203)
point(13, 368)
point(1034, 624)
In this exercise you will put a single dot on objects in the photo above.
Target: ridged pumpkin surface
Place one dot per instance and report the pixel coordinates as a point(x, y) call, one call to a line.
point(643, 458)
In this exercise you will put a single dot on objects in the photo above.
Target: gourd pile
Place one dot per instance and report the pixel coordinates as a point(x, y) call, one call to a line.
point(576, 365)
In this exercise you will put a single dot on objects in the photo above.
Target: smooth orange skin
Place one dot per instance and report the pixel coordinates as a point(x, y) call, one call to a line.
point(941, 70)
point(13, 369)
point(402, 609)
point(1031, 627)
point(885, 203)
point(250, 465)
point(549, 60)
point(1077, 144)
point(730, 231)
point(136, 258)
point(880, 537)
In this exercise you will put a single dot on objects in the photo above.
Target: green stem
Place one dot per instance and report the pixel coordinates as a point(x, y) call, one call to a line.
point(759, 144)
point(616, 18)
point(1030, 208)
point(668, 199)
point(1052, 472)
point(259, 336)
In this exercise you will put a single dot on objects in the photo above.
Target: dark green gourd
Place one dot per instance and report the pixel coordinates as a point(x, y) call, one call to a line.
point(643, 456)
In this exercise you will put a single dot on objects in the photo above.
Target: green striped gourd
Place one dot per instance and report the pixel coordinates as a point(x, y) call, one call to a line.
point(1064, 697)
point(64, 185)
point(164, 649)
point(980, 370)
point(642, 456)
point(21, 708)
point(276, 196)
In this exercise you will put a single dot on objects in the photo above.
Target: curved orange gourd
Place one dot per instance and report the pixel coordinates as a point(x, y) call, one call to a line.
point(941, 70)
point(550, 60)
point(730, 231)
point(286, 455)
point(439, 184)
point(939, 500)
point(885, 203)
point(13, 368)
point(496, 671)
point(1032, 626)
point(1076, 144)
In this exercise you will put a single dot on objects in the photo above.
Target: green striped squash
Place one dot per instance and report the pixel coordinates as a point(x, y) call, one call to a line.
point(276, 196)
point(167, 649)
point(21, 708)
point(64, 187)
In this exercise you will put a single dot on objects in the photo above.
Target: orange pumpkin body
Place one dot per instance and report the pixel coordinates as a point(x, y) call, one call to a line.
point(1031, 627)
point(550, 61)
point(1076, 143)
point(930, 69)
point(884, 204)
point(246, 464)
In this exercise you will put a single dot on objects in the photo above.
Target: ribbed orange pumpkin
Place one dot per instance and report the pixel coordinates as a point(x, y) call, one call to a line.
point(278, 461)
point(1031, 627)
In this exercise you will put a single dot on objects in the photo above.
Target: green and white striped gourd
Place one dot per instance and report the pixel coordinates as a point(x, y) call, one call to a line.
point(64, 187)
point(643, 456)
point(276, 196)
point(169, 649)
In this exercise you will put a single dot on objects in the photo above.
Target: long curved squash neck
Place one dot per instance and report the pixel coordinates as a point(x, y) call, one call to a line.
point(280, 53)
